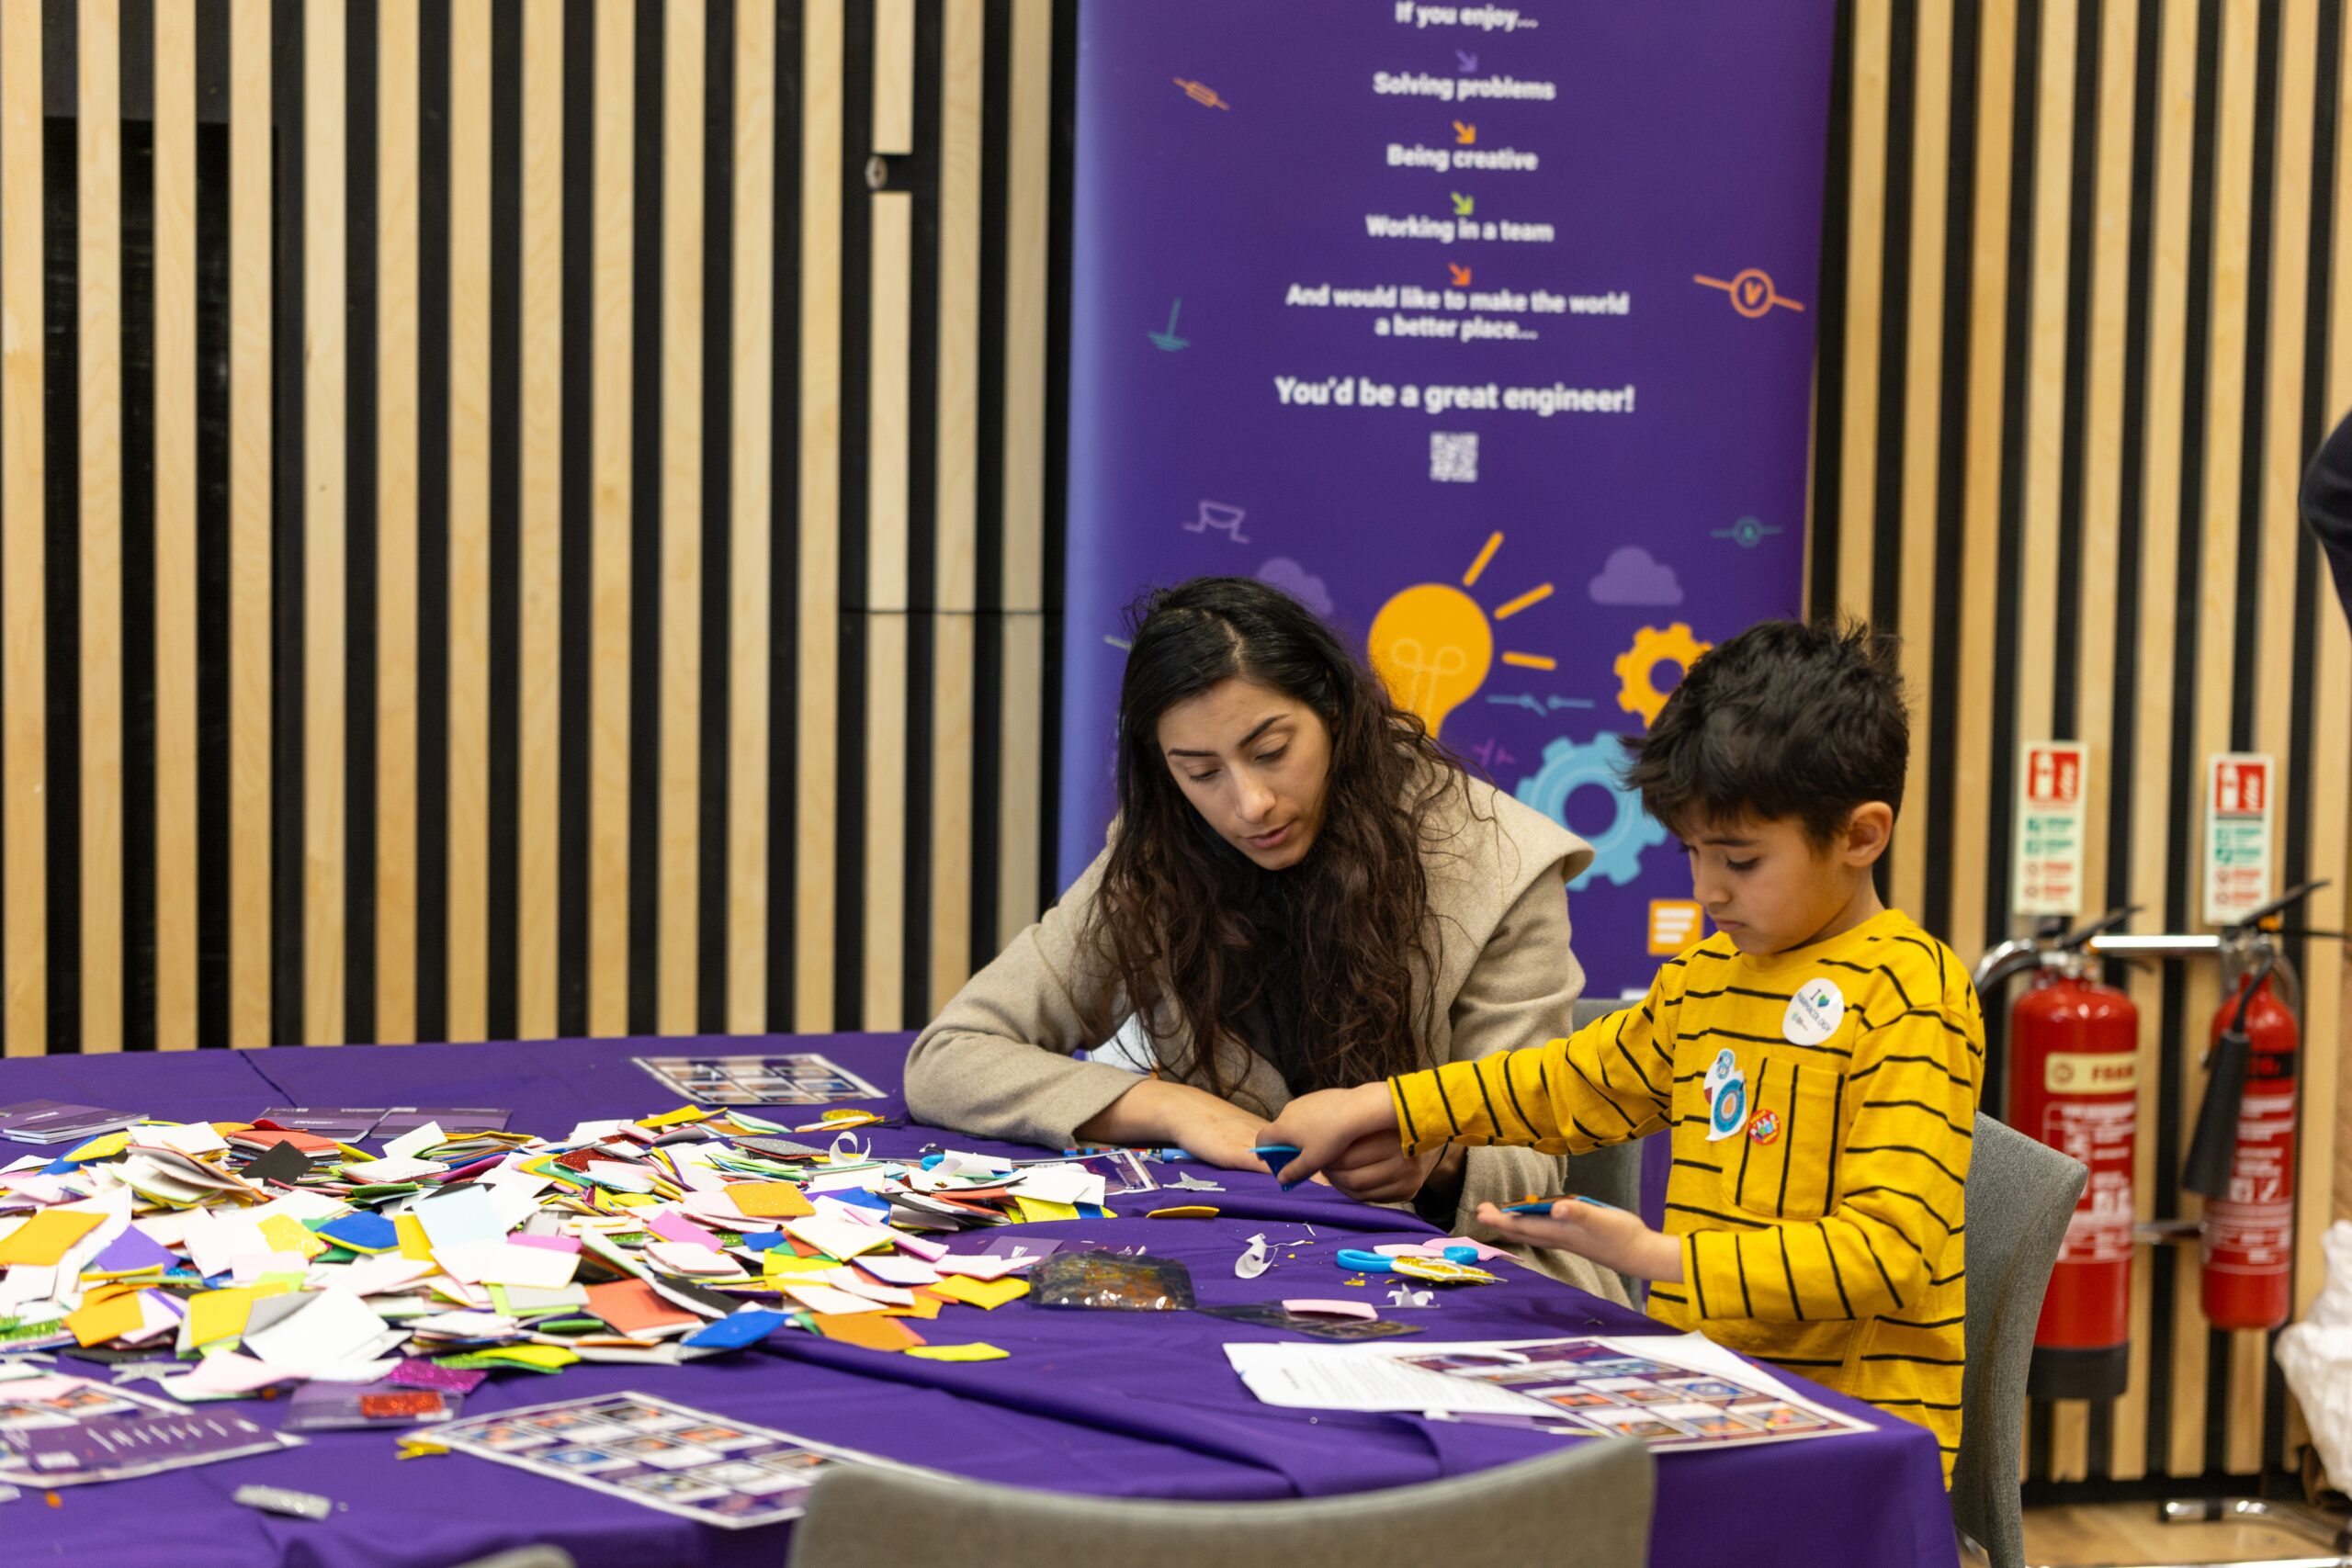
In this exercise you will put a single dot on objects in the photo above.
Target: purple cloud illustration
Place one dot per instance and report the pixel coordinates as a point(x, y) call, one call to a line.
point(1296, 580)
point(1633, 577)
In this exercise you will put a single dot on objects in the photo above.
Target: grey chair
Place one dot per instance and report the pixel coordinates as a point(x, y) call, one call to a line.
point(1586, 1506)
point(1612, 1175)
point(2020, 1196)
point(524, 1557)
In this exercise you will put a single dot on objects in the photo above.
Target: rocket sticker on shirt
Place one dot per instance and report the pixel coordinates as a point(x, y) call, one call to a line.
point(1814, 1014)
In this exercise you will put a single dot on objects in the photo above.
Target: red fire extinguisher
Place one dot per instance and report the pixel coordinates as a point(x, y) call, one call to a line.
point(2074, 1079)
point(2242, 1154)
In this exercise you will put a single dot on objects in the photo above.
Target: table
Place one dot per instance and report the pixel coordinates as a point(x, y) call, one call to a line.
point(1112, 1404)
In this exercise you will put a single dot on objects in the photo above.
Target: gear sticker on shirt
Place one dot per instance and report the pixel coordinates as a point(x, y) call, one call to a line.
point(1568, 768)
point(1638, 666)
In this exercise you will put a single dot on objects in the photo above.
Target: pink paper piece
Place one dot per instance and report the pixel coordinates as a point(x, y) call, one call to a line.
point(671, 1226)
point(1309, 1307)
point(548, 1243)
point(418, 1372)
point(1435, 1247)
point(916, 1247)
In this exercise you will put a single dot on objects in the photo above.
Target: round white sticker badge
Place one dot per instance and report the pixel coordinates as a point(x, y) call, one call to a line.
point(1814, 1014)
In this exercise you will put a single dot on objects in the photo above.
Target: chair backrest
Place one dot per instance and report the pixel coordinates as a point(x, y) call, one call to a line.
point(1612, 1175)
point(2020, 1195)
point(1588, 1506)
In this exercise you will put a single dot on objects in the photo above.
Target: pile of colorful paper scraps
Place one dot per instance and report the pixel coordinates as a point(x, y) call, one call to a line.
point(226, 1259)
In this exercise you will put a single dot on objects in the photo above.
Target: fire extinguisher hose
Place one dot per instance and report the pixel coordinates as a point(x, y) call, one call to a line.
point(2213, 1148)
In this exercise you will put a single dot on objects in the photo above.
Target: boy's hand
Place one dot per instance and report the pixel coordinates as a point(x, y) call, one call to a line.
point(1323, 1125)
point(1376, 1170)
point(1610, 1238)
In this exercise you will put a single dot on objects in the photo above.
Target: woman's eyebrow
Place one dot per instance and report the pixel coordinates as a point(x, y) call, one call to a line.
point(1263, 724)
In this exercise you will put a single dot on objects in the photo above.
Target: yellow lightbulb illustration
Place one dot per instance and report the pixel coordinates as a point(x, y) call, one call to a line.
point(1431, 647)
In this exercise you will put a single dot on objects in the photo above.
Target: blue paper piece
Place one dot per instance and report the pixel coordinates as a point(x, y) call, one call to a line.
point(363, 1231)
point(863, 1199)
point(739, 1330)
point(459, 1216)
point(763, 1241)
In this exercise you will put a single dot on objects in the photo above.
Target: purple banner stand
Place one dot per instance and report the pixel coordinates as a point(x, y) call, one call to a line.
point(1487, 332)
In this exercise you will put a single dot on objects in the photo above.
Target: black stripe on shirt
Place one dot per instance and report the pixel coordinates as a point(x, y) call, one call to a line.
point(1630, 1125)
point(1412, 1133)
point(1494, 1121)
point(1788, 1161)
point(1836, 1273)
point(1920, 1360)
point(1748, 1145)
point(1934, 1061)
point(1906, 1149)
point(1714, 1214)
point(1438, 1079)
point(1968, 1132)
point(1512, 1089)
point(1789, 1272)
point(1879, 1265)
point(1697, 1165)
point(1873, 969)
point(1939, 1323)
point(1739, 1262)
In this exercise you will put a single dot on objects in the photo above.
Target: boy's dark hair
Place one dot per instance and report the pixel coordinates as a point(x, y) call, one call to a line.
point(1784, 720)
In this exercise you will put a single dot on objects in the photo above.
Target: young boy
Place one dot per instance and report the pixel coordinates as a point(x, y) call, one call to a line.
point(1818, 1059)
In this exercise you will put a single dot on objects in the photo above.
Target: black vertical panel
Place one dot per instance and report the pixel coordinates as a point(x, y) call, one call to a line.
point(360, 522)
point(1829, 345)
point(783, 512)
point(2247, 630)
point(645, 538)
point(856, 254)
point(61, 433)
point(1894, 333)
point(505, 507)
point(2016, 341)
point(1057, 293)
point(988, 477)
point(922, 517)
point(2311, 418)
point(1952, 468)
point(718, 495)
point(138, 583)
point(2082, 231)
point(2123, 736)
point(286, 517)
point(2182, 758)
point(578, 513)
point(212, 392)
point(2254, 407)
point(432, 521)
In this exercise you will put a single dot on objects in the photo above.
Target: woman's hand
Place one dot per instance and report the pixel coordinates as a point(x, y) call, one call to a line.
point(1158, 1110)
point(1609, 1236)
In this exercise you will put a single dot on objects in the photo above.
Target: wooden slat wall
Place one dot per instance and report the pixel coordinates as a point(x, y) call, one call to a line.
point(577, 563)
point(2088, 308)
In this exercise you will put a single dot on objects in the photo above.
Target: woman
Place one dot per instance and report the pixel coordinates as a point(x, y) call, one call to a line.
point(1303, 890)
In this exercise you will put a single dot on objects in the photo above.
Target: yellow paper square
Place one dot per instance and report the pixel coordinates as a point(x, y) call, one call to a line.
point(972, 1352)
point(777, 1261)
point(988, 1293)
point(1035, 1208)
point(415, 1245)
point(47, 1236)
point(219, 1314)
point(104, 1146)
point(770, 1200)
point(673, 1118)
point(100, 1321)
point(286, 1234)
point(532, 1355)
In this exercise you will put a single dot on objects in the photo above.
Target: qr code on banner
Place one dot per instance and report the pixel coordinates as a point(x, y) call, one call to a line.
point(1454, 456)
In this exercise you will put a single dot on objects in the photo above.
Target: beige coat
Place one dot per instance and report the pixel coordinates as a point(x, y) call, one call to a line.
point(998, 1061)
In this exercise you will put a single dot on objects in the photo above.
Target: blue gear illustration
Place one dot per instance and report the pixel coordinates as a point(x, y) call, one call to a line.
point(1569, 767)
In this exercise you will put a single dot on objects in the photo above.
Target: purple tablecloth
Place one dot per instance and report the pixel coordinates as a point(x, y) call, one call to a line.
point(1113, 1404)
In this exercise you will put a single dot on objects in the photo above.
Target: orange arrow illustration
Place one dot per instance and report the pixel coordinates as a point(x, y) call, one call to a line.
point(1461, 275)
point(1467, 135)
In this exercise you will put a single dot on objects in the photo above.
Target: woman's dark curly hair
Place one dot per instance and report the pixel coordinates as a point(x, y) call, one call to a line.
point(1172, 921)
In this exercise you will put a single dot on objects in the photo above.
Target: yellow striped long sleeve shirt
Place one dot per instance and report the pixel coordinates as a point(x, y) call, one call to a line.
point(1824, 1233)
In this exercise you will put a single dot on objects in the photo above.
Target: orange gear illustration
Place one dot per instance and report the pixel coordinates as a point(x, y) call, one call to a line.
point(1652, 647)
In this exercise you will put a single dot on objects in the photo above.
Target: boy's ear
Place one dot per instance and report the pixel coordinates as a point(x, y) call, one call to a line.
point(1870, 828)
